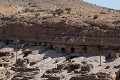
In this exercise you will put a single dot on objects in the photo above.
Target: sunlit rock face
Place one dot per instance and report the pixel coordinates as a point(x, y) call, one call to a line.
point(90, 33)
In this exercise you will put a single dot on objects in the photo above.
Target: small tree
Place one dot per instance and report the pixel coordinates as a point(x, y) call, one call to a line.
point(68, 10)
point(53, 12)
point(59, 11)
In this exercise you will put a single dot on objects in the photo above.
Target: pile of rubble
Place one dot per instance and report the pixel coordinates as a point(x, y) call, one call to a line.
point(37, 63)
point(23, 70)
point(56, 73)
point(98, 76)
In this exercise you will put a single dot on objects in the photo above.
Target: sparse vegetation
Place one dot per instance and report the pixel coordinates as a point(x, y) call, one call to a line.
point(37, 14)
point(28, 10)
point(18, 12)
point(102, 12)
point(25, 10)
point(59, 11)
point(53, 12)
point(117, 10)
point(80, 14)
point(95, 17)
point(54, 28)
point(68, 10)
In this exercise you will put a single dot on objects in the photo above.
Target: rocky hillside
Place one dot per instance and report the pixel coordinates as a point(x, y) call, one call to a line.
point(79, 10)
point(12, 6)
point(77, 18)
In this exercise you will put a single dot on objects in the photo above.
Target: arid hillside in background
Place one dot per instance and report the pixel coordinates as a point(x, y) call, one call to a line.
point(80, 11)
point(82, 18)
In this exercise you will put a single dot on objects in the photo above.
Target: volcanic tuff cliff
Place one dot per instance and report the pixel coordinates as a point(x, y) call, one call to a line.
point(84, 22)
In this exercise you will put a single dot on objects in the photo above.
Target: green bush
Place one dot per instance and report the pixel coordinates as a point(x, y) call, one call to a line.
point(95, 17)
point(37, 14)
point(102, 12)
point(80, 14)
point(59, 11)
point(68, 10)
point(26, 10)
point(18, 12)
point(53, 12)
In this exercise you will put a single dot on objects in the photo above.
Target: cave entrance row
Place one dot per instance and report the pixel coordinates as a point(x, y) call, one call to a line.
point(72, 50)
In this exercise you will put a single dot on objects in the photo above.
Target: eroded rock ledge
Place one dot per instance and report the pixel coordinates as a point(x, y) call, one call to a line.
point(60, 30)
